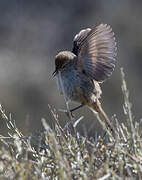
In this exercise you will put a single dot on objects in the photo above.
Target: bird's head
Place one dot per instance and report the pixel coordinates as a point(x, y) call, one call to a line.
point(62, 60)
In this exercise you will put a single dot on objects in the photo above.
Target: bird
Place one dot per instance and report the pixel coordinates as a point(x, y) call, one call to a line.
point(80, 72)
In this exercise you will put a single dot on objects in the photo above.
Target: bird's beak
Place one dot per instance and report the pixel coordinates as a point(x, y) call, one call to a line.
point(54, 73)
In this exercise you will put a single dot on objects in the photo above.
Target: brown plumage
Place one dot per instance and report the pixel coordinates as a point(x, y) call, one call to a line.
point(91, 61)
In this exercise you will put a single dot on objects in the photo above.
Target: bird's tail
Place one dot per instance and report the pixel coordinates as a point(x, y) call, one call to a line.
point(96, 106)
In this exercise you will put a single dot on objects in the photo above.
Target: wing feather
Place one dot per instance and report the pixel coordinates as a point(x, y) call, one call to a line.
point(96, 51)
point(78, 39)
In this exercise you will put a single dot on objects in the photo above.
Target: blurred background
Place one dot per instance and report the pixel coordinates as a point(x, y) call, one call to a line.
point(32, 32)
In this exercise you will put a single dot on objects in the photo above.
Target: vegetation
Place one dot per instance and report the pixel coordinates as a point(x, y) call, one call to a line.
point(61, 153)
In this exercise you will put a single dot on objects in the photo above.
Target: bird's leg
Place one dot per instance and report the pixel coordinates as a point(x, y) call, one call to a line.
point(74, 109)
point(78, 107)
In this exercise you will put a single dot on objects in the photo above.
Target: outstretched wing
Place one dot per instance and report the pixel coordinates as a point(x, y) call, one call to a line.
point(96, 52)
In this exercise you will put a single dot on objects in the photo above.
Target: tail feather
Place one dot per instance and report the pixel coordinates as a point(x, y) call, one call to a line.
point(96, 106)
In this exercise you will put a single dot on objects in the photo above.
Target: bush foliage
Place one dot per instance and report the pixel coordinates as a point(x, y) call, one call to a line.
point(62, 153)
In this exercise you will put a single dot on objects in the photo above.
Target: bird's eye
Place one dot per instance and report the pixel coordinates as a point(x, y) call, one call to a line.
point(83, 71)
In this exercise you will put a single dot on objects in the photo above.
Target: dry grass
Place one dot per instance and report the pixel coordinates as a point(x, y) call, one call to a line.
point(63, 154)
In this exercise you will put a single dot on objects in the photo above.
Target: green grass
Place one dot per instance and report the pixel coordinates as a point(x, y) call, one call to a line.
point(61, 153)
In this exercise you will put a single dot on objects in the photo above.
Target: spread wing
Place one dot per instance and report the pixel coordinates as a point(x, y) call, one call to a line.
point(96, 51)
